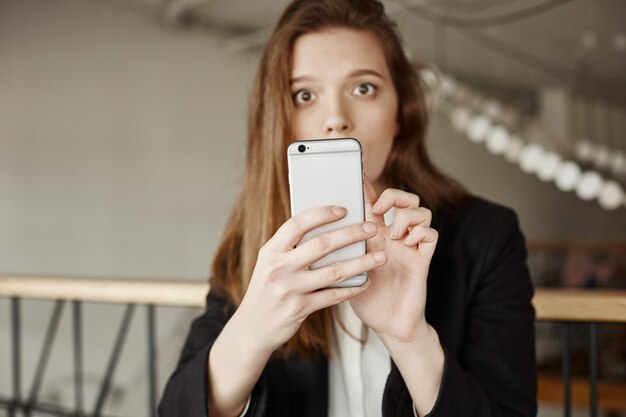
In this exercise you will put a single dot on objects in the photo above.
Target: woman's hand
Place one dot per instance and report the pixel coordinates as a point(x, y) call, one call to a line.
point(283, 291)
point(394, 304)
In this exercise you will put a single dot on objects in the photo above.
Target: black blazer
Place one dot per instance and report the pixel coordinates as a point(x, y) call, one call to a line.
point(479, 301)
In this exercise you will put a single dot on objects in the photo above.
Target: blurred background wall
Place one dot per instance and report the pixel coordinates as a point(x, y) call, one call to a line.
point(122, 140)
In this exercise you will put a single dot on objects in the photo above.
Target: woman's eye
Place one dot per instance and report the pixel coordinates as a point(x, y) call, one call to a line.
point(365, 89)
point(302, 96)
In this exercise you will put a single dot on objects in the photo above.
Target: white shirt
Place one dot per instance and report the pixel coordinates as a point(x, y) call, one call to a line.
point(357, 372)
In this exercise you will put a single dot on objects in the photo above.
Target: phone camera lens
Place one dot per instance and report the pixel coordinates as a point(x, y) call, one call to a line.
point(301, 148)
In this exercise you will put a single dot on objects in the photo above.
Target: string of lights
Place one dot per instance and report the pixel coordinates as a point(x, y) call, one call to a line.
point(489, 122)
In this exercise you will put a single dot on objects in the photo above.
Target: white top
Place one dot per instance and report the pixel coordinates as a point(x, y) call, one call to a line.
point(357, 372)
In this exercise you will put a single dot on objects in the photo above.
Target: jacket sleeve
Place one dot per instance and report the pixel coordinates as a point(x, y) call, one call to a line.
point(494, 375)
point(186, 391)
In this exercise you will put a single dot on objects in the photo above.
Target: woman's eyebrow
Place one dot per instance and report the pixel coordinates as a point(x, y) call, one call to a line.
point(365, 71)
point(301, 78)
point(354, 74)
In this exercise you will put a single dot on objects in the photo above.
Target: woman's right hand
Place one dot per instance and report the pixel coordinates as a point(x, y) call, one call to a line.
point(283, 291)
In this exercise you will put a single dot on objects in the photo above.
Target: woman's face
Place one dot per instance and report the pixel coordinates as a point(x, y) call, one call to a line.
point(341, 87)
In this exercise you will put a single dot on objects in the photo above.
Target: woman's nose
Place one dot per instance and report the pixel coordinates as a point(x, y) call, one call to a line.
point(338, 121)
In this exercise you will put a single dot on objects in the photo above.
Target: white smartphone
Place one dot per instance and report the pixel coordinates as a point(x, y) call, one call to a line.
point(329, 172)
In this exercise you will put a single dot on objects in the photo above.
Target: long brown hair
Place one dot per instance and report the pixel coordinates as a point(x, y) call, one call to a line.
point(263, 204)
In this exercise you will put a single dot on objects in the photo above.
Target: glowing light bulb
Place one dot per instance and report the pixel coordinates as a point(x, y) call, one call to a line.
point(530, 158)
point(589, 186)
point(498, 140)
point(448, 85)
point(477, 128)
point(512, 153)
point(549, 166)
point(429, 77)
point(567, 176)
point(584, 150)
point(601, 156)
point(612, 196)
point(492, 109)
point(459, 118)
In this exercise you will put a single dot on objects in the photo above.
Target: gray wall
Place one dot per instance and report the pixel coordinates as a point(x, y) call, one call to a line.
point(121, 141)
point(121, 148)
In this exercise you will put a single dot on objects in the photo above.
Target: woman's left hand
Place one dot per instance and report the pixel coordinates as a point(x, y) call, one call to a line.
point(394, 304)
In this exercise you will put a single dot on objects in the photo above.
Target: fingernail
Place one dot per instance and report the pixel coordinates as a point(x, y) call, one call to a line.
point(409, 240)
point(380, 256)
point(393, 234)
point(338, 210)
point(378, 207)
point(369, 227)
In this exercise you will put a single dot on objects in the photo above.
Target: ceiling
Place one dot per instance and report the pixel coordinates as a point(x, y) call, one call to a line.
point(509, 45)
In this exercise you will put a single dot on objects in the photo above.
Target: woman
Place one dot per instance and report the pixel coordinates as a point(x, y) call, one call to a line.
point(445, 332)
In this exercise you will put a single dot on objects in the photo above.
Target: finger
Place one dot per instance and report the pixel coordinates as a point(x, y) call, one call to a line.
point(392, 197)
point(406, 219)
point(370, 198)
point(325, 243)
point(338, 272)
point(292, 231)
point(425, 238)
point(332, 296)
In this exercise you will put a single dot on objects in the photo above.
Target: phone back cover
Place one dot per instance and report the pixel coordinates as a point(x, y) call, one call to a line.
point(329, 177)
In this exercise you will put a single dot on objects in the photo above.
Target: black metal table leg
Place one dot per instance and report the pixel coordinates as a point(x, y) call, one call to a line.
point(567, 381)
